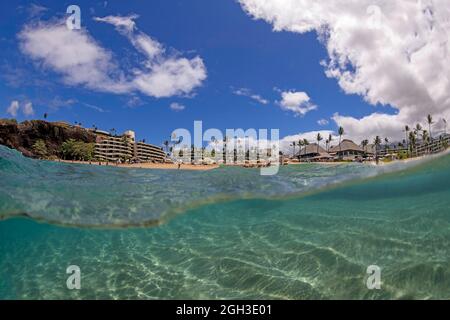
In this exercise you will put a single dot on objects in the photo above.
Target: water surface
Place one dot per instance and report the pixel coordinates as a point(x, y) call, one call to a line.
point(232, 234)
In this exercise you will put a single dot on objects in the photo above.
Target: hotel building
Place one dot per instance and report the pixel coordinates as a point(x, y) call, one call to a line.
point(125, 148)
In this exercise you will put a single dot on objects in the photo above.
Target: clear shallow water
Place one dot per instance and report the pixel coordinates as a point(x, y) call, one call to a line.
point(100, 196)
point(301, 247)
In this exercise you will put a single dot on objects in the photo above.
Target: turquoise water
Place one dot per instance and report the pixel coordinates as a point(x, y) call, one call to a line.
point(308, 233)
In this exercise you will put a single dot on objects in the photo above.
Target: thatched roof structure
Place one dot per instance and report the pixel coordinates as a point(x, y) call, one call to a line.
point(310, 151)
point(346, 145)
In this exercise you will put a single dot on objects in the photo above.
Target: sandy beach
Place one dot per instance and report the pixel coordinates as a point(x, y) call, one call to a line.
point(163, 166)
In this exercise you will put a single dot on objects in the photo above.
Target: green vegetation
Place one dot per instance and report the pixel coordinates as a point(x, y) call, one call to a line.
point(402, 155)
point(40, 149)
point(77, 150)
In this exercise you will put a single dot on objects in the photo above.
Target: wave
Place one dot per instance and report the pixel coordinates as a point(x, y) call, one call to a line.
point(107, 197)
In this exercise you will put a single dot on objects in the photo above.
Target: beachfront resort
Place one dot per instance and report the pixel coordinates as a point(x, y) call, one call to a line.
point(71, 142)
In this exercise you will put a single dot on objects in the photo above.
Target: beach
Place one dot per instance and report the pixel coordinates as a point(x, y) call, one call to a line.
point(146, 165)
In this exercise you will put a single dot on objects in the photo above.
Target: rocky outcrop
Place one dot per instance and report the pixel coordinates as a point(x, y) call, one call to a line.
point(22, 136)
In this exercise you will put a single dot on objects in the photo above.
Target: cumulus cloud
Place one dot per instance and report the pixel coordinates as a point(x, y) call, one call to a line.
point(81, 60)
point(393, 53)
point(248, 93)
point(176, 106)
point(15, 106)
point(73, 54)
point(28, 109)
point(297, 102)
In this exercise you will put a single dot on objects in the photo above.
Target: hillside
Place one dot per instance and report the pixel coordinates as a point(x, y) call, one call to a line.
point(22, 136)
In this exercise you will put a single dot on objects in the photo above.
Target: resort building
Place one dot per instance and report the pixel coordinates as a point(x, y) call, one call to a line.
point(125, 148)
point(435, 146)
point(347, 150)
point(313, 152)
point(149, 153)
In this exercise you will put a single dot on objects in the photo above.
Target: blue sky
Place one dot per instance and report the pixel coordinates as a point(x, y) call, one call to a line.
point(248, 67)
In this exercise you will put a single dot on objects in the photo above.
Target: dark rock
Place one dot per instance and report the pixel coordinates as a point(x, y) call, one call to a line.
point(22, 136)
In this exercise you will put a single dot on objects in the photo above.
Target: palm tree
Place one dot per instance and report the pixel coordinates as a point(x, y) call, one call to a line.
point(425, 136)
point(166, 144)
point(364, 144)
point(306, 143)
point(319, 138)
point(293, 145)
point(417, 129)
point(377, 143)
point(406, 135)
point(225, 142)
point(430, 122)
point(341, 133)
point(386, 140)
point(330, 139)
point(412, 141)
point(300, 143)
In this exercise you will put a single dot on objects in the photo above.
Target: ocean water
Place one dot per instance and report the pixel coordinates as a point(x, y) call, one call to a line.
point(309, 232)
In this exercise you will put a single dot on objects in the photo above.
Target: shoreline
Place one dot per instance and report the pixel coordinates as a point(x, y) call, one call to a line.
point(156, 166)
point(204, 167)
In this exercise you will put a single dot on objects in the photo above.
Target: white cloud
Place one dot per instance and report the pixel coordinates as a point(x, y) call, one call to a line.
point(82, 61)
point(160, 75)
point(13, 108)
point(150, 47)
point(390, 52)
point(248, 93)
point(28, 109)
point(297, 102)
point(57, 102)
point(177, 107)
point(323, 122)
point(94, 107)
point(125, 23)
point(173, 76)
point(134, 101)
point(73, 54)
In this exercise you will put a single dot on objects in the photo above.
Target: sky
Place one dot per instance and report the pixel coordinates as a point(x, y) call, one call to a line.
point(302, 67)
